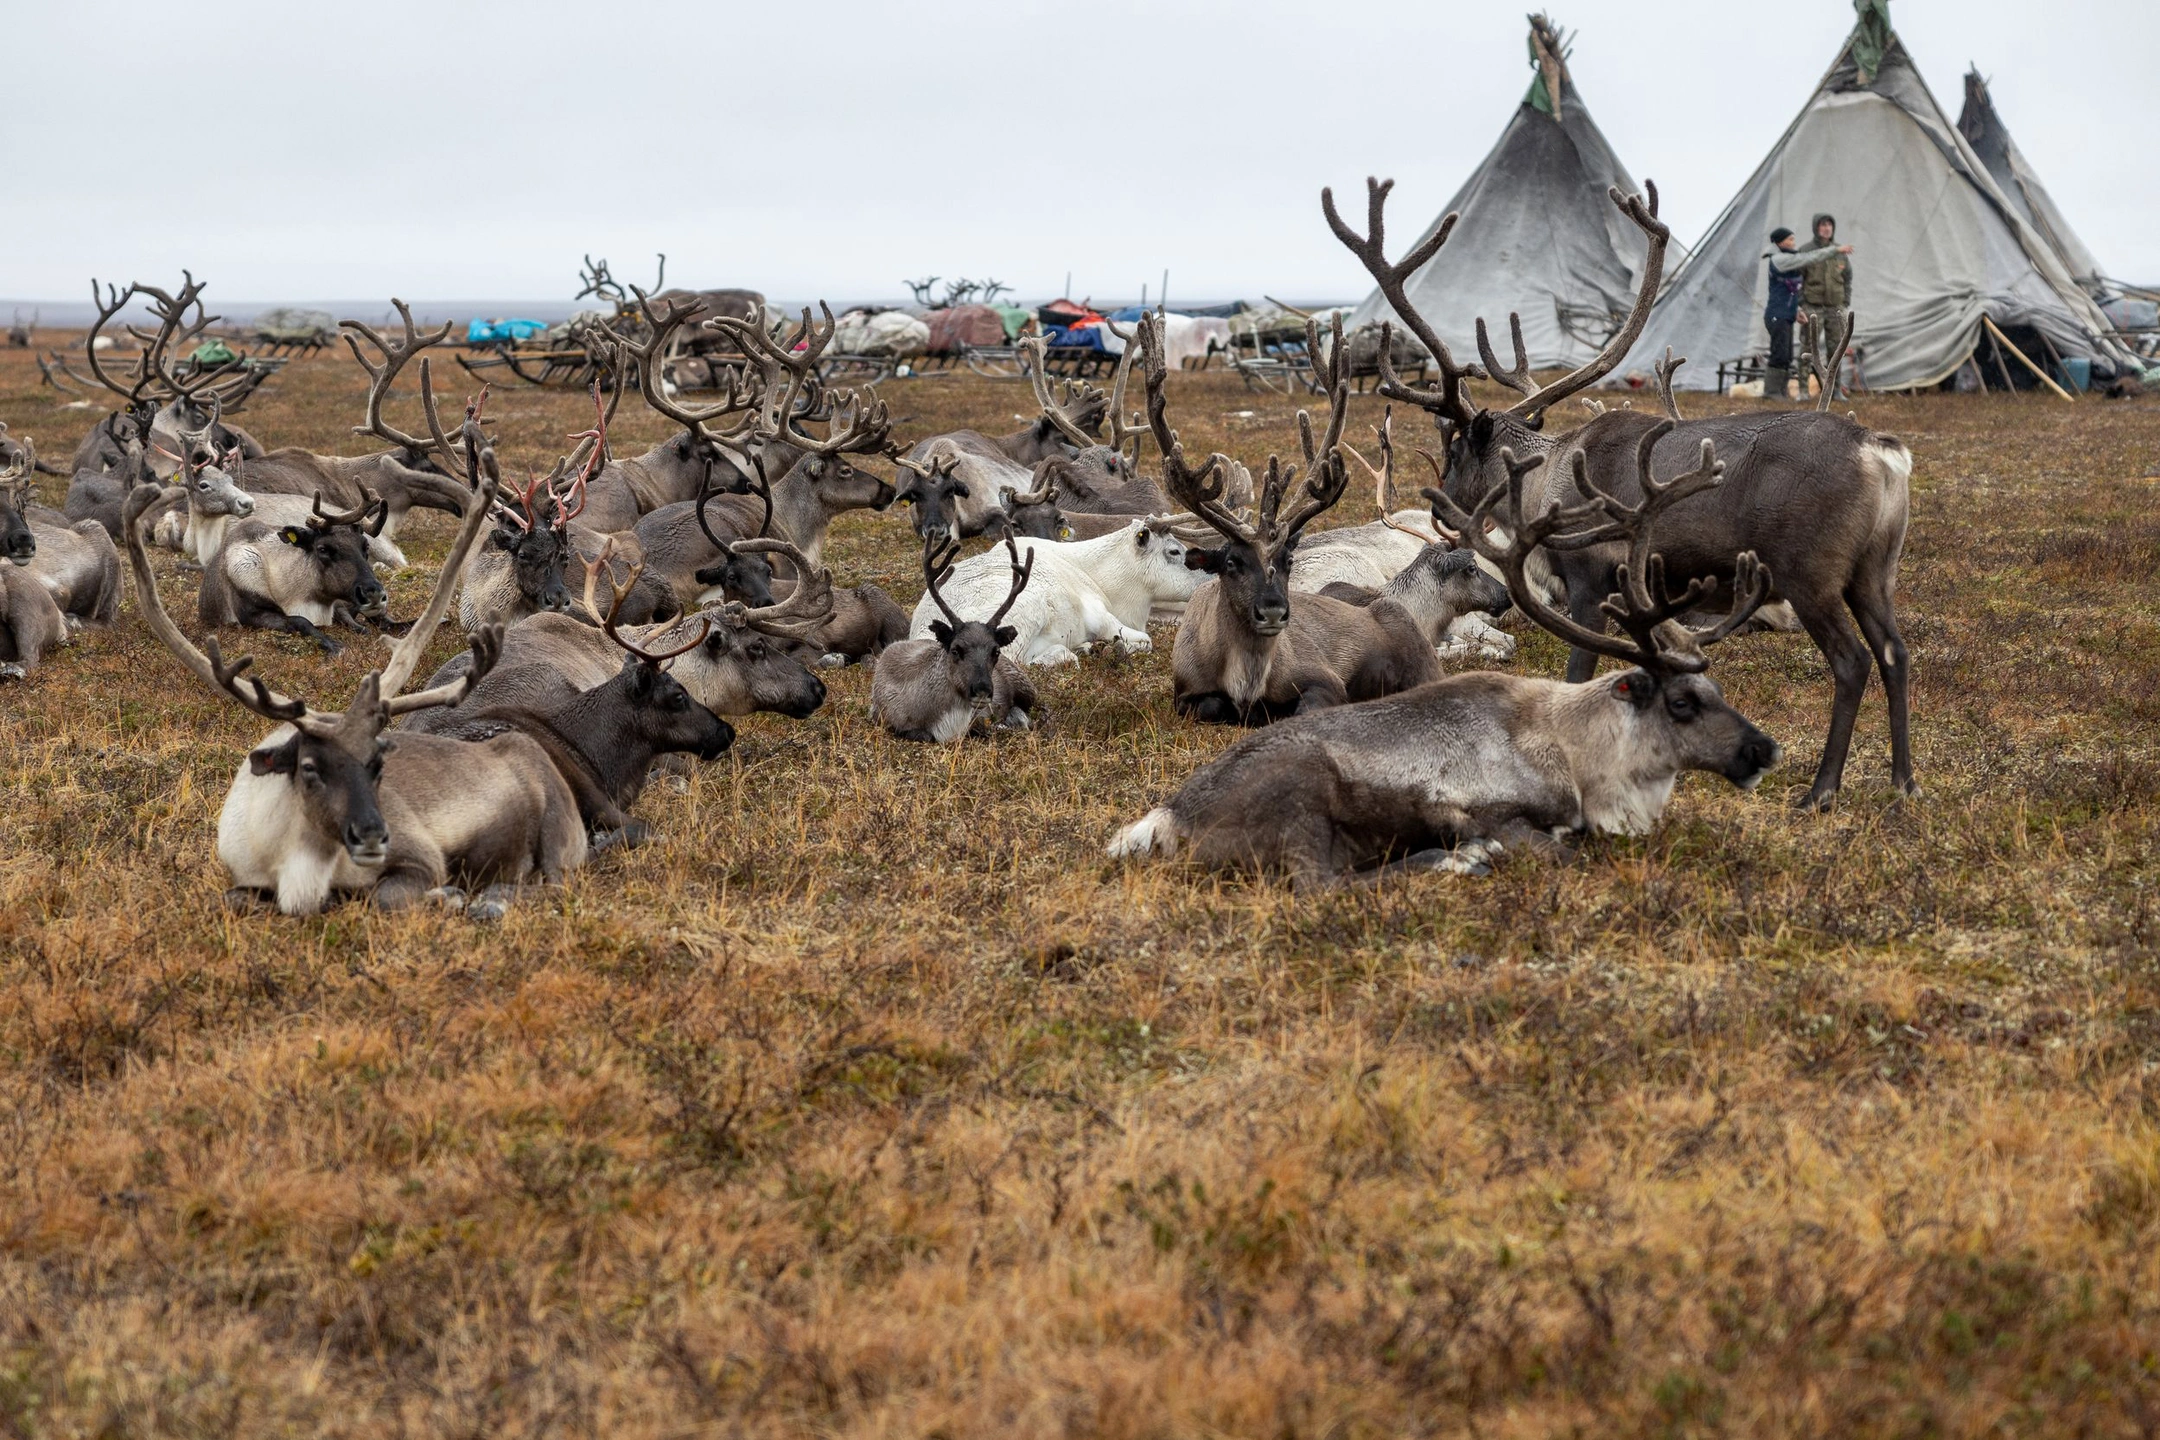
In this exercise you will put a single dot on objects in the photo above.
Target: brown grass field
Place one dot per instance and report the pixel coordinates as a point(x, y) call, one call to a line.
point(872, 1100)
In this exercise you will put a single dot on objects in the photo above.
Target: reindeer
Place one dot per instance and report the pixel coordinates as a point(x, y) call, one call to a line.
point(1821, 499)
point(297, 578)
point(327, 805)
point(1083, 592)
point(74, 562)
point(162, 407)
point(1401, 554)
point(755, 428)
point(741, 662)
point(1246, 655)
point(936, 690)
point(31, 619)
point(22, 334)
point(523, 569)
point(1448, 775)
point(604, 738)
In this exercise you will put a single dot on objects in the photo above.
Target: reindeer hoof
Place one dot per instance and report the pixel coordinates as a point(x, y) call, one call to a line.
point(242, 901)
point(832, 660)
point(12, 671)
point(449, 897)
point(1816, 802)
point(487, 910)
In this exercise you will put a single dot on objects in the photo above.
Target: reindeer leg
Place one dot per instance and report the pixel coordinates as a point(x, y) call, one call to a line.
point(1585, 596)
point(1849, 666)
point(1878, 621)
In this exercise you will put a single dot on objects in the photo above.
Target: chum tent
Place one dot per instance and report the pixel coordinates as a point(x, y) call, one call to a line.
point(1536, 232)
point(1936, 243)
point(1990, 140)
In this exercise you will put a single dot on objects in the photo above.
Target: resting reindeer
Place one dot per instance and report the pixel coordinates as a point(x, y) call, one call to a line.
point(753, 430)
point(35, 586)
point(1444, 776)
point(298, 578)
point(1248, 651)
point(327, 805)
point(936, 690)
point(604, 738)
point(1437, 581)
point(1822, 499)
point(742, 661)
point(1082, 592)
point(75, 564)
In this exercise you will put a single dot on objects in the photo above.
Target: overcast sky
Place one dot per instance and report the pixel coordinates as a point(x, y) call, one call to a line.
point(438, 150)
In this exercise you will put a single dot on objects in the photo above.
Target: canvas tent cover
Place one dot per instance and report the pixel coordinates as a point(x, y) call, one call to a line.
point(1537, 235)
point(1990, 139)
point(1936, 244)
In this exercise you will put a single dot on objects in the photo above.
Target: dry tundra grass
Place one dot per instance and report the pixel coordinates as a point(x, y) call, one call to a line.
point(873, 1101)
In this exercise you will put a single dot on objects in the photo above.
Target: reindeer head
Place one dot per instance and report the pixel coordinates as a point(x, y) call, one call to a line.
point(929, 492)
point(664, 713)
point(1664, 702)
point(337, 545)
point(17, 542)
point(536, 533)
point(1253, 562)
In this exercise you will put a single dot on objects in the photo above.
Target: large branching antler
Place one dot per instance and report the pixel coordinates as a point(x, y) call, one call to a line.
point(598, 565)
point(394, 355)
point(1078, 412)
point(1645, 608)
point(1199, 491)
point(805, 610)
point(1449, 400)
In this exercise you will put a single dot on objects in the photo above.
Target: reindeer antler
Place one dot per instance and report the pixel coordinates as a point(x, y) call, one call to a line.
point(593, 569)
point(803, 612)
point(1199, 491)
point(1079, 411)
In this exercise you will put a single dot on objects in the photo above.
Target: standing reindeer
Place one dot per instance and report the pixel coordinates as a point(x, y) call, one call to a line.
point(1447, 775)
point(1821, 498)
point(936, 690)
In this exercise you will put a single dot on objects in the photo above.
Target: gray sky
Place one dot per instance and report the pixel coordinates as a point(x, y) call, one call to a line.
point(476, 150)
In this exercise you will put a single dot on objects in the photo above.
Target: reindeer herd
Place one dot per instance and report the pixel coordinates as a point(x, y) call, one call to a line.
point(620, 609)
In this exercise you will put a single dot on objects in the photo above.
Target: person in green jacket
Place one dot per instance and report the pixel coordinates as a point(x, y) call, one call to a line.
point(1827, 289)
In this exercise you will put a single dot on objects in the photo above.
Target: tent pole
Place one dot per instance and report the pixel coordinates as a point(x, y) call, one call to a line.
point(2025, 359)
point(2002, 366)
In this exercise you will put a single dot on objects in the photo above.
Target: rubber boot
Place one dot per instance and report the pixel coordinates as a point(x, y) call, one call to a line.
point(1773, 384)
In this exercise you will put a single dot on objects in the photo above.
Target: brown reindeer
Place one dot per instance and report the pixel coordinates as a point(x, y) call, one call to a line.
point(1248, 651)
point(937, 690)
point(1820, 498)
point(327, 805)
point(1448, 775)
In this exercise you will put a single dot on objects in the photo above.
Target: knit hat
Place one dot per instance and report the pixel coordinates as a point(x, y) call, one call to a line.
point(1780, 235)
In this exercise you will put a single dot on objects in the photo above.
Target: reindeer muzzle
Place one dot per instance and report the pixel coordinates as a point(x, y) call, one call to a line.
point(1755, 757)
point(367, 845)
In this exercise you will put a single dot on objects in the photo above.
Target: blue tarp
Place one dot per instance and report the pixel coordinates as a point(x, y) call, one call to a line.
point(490, 332)
point(1090, 338)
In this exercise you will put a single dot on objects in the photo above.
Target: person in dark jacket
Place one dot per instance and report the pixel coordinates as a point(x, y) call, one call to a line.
point(1788, 277)
point(1825, 290)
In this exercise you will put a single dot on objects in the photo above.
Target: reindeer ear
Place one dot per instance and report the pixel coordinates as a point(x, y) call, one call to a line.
point(1140, 541)
point(504, 538)
point(294, 535)
point(1005, 635)
point(960, 489)
point(1208, 560)
point(277, 760)
point(641, 676)
point(1635, 687)
point(942, 632)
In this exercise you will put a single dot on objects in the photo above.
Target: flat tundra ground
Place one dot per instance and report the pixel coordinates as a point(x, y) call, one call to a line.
point(872, 1100)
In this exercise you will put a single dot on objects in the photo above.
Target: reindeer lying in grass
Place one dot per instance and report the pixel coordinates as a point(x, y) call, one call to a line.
point(937, 689)
point(327, 805)
point(1444, 776)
